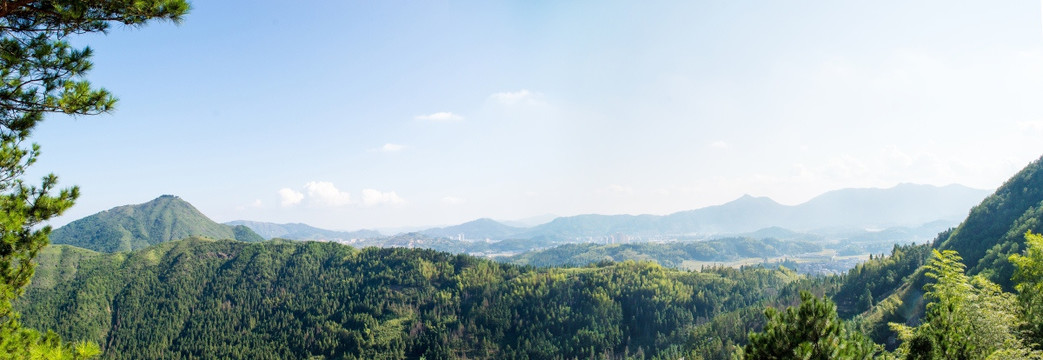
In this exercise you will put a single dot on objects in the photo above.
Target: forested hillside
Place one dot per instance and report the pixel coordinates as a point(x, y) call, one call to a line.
point(892, 288)
point(995, 229)
point(672, 254)
point(132, 227)
point(278, 299)
point(282, 300)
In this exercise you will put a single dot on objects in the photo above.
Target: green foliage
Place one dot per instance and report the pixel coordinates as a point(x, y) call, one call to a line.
point(21, 343)
point(40, 72)
point(134, 227)
point(671, 254)
point(724, 334)
point(877, 278)
point(243, 233)
point(1029, 280)
point(811, 331)
point(226, 299)
point(967, 317)
point(994, 229)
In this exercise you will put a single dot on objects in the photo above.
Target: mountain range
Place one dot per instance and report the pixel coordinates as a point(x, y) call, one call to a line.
point(845, 210)
point(902, 205)
point(298, 231)
point(198, 297)
point(853, 214)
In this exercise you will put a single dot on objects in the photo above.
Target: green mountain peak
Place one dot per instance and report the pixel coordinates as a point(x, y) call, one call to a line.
point(132, 227)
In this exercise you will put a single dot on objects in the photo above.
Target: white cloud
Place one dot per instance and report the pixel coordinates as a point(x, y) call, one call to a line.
point(452, 200)
point(618, 189)
point(323, 193)
point(440, 117)
point(522, 96)
point(388, 148)
point(719, 144)
point(256, 204)
point(290, 197)
point(846, 167)
point(372, 197)
point(1030, 125)
point(893, 154)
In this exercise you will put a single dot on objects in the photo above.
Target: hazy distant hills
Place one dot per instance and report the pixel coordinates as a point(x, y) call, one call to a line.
point(905, 205)
point(298, 231)
point(132, 227)
point(480, 229)
point(902, 205)
point(849, 213)
point(841, 213)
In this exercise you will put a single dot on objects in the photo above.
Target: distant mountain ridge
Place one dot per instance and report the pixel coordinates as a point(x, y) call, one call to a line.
point(842, 211)
point(480, 229)
point(132, 227)
point(298, 231)
point(904, 205)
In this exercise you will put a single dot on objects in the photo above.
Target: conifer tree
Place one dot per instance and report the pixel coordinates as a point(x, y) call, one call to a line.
point(40, 73)
point(1029, 280)
point(810, 331)
point(967, 317)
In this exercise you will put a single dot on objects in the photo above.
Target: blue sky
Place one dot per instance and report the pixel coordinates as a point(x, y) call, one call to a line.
point(347, 115)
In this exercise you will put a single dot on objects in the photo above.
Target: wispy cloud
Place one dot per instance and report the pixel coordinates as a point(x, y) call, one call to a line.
point(452, 200)
point(719, 144)
point(371, 197)
point(617, 189)
point(256, 204)
point(1030, 125)
point(440, 117)
point(522, 96)
point(389, 148)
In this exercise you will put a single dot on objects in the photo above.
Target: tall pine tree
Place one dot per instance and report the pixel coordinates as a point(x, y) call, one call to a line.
point(40, 73)
point(810, 331)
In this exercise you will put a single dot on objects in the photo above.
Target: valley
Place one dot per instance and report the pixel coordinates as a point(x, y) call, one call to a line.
point(417, 295)
point(373, 180)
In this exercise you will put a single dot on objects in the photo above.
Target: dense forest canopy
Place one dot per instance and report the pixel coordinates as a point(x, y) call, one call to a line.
point(277, 299)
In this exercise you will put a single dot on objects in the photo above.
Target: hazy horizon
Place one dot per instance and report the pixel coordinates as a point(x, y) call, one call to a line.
point(531, 221)
point(347, 115)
